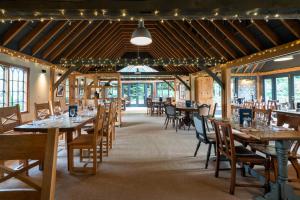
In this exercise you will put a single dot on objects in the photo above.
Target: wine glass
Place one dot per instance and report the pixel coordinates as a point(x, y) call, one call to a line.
point(72, 112)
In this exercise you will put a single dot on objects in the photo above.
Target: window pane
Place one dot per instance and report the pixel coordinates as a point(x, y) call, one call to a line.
point(282, 89)
point(268, 89)
point(17, 87)
point(247, 88)
point(297, 88)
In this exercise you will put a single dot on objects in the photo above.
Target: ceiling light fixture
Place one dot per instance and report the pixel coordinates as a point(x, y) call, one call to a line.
point(285, 58)
point(141, 36)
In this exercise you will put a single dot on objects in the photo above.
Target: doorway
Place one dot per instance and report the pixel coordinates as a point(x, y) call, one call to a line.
point(136, 93)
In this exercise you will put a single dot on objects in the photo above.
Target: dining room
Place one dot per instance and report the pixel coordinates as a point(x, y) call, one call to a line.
point(149, 100)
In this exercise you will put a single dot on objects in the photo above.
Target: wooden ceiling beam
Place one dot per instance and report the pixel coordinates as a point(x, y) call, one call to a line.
point(113, 44)
point(44, 41)
point(246, 34)
point(217, 37)
point(33, 34)
point(160, 43)
point(292, 25)
point(166, 37)
point(16, 28)
point(204, 46)
point(230, 36)
point(119, 52)
point(90, 41)
point(216, 46)
point(82, 27)
point(263, 27)
point(81, 39)
point(176, 39)
point(70, 29)
point(184, 40)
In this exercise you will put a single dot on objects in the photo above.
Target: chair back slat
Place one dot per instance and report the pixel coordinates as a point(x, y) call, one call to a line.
point(99, 122)
point(42, 110)
point(30, 147)
point(200, 126)
point(225, 139)
point(10, 118)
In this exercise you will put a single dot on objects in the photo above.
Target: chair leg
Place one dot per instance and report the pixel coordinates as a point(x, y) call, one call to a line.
point(167, 123)
point(101, 150)
point(215, 149)
point(197, 148)
point(95, 163)
point(208, 155)
point(217, 164)
point(71, 159)
point(233, 177)
point(275, 166)
point(267, 175)
point(296, 166)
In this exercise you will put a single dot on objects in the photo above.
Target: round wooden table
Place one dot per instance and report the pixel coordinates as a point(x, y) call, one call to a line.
point(187, 110)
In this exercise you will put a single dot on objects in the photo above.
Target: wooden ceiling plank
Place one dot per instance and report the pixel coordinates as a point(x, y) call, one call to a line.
point(166, 44)
point(98, 40)
point(201, 32)
point(81, 39)
point(113, 44)
point(292, 25)
point(172, 36)
point(175, 46)
point(217, 38)
point(33, 34)
point(48, 37)
point(246, 34)
point(230, 36)
point(200, 43)
point(70, 29)
point(16, 28)
point(90, 41)
point(159, 44)
point(102, 44)
point(263, 27)
point(183, 40)
point(83, 26)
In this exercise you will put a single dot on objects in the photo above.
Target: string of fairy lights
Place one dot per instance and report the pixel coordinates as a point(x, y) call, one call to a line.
point(110, 64)
point(124, 15)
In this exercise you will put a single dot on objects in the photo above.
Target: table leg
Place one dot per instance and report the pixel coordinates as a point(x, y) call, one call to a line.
point(69, 135)
point(281, 190)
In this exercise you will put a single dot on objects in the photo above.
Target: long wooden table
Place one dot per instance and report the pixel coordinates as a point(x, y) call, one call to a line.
point(65, 124)
point(281, 190)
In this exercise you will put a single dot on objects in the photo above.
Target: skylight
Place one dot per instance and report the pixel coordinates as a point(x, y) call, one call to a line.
point(137, 68)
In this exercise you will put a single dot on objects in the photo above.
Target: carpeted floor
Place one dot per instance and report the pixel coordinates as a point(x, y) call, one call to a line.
point(148, 162)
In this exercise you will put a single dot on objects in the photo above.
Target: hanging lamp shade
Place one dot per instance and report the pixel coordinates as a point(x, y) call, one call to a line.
point(141, 36)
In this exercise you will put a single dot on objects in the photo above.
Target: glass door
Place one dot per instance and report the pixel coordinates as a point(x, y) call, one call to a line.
point(282, 89)
point(136, 93)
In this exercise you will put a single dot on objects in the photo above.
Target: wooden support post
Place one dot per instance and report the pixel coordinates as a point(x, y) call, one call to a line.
point(259, 88)
point(72, 89)
point(51, 85)
point(226, 92)
point(119, 101)
point(169, 84)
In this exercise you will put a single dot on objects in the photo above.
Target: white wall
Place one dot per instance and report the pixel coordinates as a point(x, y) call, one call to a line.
point(38, 82)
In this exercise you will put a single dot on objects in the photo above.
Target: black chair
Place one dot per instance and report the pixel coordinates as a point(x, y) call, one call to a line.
point(172, 115)
point(203, 136)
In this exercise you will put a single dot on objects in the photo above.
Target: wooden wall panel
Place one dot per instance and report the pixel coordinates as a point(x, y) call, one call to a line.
point(204, 90)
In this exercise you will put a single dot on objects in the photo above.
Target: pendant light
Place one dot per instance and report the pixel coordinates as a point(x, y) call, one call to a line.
point(141, 36)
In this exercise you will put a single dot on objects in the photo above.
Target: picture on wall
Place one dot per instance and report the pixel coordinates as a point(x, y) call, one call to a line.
point(60, 91)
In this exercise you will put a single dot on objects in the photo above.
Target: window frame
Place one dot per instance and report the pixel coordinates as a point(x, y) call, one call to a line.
point(7, 67)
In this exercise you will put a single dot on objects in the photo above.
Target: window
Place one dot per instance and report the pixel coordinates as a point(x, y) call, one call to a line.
point(282, 89)
point(297, 88)
point(233, 92)
point(247, 88)
point(164, 90)
point(268, 88)
point(13, 87)
point(67, 91)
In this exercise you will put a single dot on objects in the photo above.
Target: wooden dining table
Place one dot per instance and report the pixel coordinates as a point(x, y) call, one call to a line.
point(283, 137)
point(187, 110)
point(64, 123)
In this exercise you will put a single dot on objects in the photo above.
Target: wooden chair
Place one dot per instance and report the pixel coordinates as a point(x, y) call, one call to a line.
point(203, 136)
point(34, 147)
point(262, 115)
point(236, 154)
point(173, 116)
point(272, 104)
point(42, 110)
point(90, 142)
point(109, 126)
point(56, 104)
point(149, 106)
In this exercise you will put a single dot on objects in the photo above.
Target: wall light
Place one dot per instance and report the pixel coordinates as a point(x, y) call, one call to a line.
point(44, 71)
point(285, 58)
